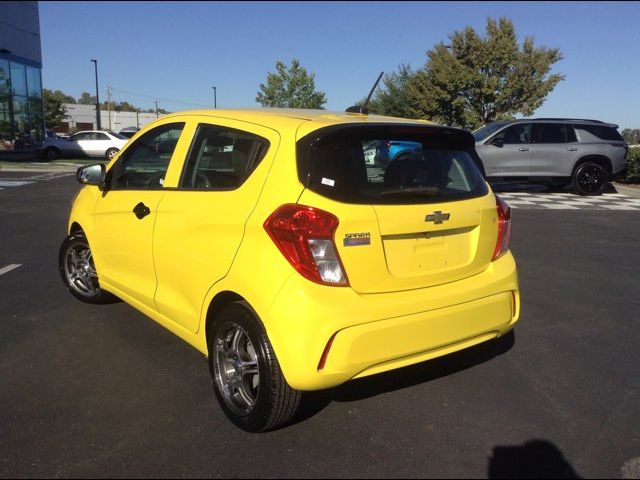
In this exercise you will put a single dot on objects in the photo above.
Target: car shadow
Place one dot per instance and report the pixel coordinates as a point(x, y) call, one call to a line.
point(535, 459)
point(359, 389)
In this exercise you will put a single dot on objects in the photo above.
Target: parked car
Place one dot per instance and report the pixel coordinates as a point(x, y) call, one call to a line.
point(382, 152)
point(129, 131)
point(584, 153)
point(264, 239)
point(90, 143)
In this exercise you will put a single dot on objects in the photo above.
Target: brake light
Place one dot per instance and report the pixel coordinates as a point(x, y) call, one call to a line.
point(504, 229)
point(304, 235)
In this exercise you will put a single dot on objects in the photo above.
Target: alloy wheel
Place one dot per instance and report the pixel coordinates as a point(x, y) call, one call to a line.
point(81, 271)
point(591, 179)
point(236, 371)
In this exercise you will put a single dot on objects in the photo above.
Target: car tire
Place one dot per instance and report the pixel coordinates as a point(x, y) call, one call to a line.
point(248, 382)
point(589, 178)
point(52, 153)
point(78, 271)
point(112, 152)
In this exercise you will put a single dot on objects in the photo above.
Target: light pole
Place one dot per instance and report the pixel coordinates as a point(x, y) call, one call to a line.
point(215, 101)
point(98, 126)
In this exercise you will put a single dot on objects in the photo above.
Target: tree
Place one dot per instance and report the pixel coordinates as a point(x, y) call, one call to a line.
point(125, 107)
point(54, 110)
point(87, 99)
point(632, 137)
point(474, 80)
point(290, 88)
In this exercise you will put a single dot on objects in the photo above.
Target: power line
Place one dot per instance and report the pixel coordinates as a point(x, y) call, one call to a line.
point(166, 100)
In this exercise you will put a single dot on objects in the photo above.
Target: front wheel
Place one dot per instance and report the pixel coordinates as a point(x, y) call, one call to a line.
point(247, 378)
point(51, 153)
point(589, 178)
point(112, 152)
point(78, 271)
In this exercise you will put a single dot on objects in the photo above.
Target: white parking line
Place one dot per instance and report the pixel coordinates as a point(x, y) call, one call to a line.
point(13, 183)
point(8, 268)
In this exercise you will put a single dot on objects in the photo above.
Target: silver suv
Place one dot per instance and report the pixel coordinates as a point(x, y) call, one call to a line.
point(559, 151)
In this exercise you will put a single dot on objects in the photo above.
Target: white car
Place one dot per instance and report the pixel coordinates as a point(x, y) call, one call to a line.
point(90, 143)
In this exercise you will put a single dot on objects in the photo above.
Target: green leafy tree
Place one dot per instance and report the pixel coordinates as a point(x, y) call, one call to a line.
point(125, 107)
point(290, 87)
point(119, 107)
point(87, 99)
point(475, 80)
point(54, 110)
point(631, 136)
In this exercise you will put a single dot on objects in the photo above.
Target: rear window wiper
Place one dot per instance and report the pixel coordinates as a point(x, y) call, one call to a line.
point(428, 191)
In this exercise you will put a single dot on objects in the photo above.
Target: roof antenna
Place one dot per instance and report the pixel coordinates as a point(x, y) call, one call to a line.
point(363, 108)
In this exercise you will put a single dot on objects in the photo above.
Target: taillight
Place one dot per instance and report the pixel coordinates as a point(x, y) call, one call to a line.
point(304, 235)
point(504, 229)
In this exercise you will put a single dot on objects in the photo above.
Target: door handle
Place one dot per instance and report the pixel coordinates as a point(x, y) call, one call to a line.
point(523, 149)
point(141, 210)
point(572, 149)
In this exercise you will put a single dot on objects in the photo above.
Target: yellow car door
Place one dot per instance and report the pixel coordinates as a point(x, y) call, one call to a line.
point(126, 212)
point(200, 223)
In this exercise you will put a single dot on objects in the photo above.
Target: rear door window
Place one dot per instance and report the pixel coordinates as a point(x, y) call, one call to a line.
point(221, 158)
point(550, 133)
point(391, 165)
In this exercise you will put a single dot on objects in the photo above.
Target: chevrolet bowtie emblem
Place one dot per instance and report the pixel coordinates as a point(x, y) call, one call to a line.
point(437, 217)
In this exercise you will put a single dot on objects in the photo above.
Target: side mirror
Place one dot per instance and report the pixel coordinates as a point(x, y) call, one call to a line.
point(91, 174)
point(497, 142)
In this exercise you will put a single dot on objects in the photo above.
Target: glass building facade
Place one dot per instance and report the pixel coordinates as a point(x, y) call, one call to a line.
point(21, 106)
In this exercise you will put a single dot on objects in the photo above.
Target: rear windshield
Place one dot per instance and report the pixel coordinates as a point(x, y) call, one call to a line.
point(390, 164)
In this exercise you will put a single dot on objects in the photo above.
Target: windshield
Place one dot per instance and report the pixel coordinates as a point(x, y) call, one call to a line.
point(391, 165)
point(118, 136)
point(487, 130)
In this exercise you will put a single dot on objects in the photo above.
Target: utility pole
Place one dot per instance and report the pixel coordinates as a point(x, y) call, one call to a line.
point(156, 108)
point(137, 120)
point(98, 126)
point(109, 105)
point(215, 101)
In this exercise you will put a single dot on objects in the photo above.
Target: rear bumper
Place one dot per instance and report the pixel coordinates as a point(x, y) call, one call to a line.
point(622, 174)
point(374, 333)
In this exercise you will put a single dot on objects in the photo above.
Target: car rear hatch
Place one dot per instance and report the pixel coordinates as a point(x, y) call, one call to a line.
point(404, 223)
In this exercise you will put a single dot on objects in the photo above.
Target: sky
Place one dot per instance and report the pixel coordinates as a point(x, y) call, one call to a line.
point(177, 51)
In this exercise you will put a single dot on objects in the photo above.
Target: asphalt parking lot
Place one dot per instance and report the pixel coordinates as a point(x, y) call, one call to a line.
point(101, 391)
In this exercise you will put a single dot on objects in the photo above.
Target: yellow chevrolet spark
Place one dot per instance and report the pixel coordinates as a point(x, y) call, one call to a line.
point(296, 249)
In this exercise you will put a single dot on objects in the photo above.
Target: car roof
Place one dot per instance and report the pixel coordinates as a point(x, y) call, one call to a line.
point(306, 120)
point(558, 120)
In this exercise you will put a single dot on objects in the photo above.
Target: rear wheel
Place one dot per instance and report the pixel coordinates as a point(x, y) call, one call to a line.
point(247, 378)
point(78, 271)
point(589, 178)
